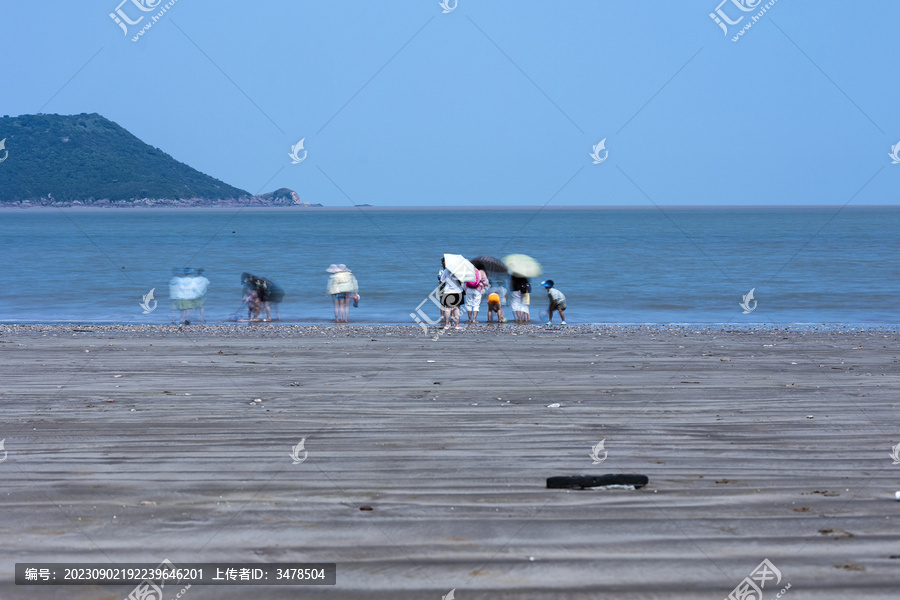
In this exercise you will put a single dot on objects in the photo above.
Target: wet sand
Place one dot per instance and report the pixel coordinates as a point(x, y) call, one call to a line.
point(134, 444)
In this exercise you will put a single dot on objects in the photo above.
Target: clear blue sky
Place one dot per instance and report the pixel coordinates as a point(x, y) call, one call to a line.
point(494, 103)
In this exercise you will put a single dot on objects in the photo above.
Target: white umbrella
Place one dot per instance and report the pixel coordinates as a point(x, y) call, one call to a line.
point(461, 268)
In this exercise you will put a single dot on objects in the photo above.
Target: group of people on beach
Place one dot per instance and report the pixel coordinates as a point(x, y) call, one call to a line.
point(261, 293)
point(188, 287)
point(187, 290)
point(454, 293)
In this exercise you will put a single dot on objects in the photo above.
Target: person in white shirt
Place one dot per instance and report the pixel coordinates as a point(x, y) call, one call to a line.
point(520, 298)
point(451, 296)
point(557, 302)
point(197, 285)
point(180, 293)
point(343, 287)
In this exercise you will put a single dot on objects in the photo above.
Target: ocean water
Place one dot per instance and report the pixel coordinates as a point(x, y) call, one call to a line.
point(615, 265)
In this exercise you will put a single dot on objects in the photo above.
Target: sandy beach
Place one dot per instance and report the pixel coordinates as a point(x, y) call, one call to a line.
point(139, 443)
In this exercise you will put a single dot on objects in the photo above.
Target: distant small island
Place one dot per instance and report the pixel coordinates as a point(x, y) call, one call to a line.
point(88, 160)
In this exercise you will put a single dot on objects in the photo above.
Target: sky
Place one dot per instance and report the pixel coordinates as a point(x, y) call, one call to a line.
point(399, 103)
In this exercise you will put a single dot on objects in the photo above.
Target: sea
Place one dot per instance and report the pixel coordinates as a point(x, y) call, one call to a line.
point(804, 265)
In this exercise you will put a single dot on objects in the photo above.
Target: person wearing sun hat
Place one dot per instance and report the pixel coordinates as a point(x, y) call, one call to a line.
point(557, 302)
point(343, 287)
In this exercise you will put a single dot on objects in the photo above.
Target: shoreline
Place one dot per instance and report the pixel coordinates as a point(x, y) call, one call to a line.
point(410, 330)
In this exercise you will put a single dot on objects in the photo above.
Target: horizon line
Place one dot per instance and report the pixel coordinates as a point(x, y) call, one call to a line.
point(89, 207)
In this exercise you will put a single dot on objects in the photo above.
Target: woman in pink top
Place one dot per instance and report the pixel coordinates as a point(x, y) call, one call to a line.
point(474, 292)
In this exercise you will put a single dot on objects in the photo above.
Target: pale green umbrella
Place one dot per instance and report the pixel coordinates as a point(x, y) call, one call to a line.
point(522, 265)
